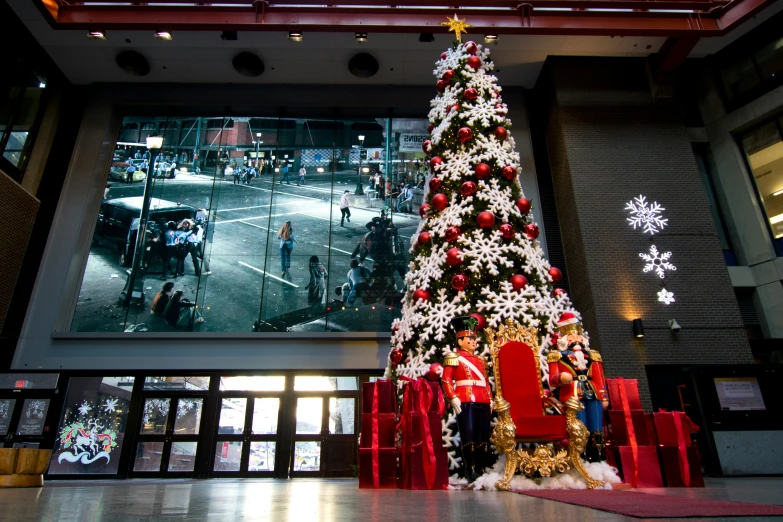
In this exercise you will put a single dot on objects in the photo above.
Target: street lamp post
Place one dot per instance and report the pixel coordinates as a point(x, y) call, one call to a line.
point(359, 190)
point(153, 143)
point(258, 143)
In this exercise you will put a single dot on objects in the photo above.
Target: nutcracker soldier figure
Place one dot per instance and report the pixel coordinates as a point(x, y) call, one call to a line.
point(466, 387)
point(577, 373)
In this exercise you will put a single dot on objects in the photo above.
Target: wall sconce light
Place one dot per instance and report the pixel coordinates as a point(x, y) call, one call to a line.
point(638, 329)
point(96, 35)
point(163, 35)
point(491, 38)
point(295, 36)
point(674, 325)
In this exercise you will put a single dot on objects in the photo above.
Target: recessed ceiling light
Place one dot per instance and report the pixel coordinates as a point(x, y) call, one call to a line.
point(96, 35)
point(360, 37)
point(778, 193)
point(295, 36)
point(490, 38)
point(163, 35)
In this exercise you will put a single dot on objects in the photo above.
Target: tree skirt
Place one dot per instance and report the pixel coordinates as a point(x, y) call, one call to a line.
point(645, 505)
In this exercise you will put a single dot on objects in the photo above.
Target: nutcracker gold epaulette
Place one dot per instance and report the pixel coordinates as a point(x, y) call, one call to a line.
point(553, 356)
point(595, 356)
point(452, 359)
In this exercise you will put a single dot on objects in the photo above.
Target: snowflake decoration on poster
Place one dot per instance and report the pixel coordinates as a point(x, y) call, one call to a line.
point(657, 261)
point(500, 199)
point(646, 216)
point(440, 312)
point(85, 408)
point(666, 297)
point(111, 405)
point(485, 252)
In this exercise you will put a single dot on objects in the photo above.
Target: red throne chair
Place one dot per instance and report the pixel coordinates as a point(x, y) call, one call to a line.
point(521, 406)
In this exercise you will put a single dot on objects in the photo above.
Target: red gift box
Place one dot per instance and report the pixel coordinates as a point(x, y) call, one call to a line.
point(413, 431)
point(387, 468)
point(672, 428)
point(412, 399)
point(643, 426)
point(646, 462)
point(631, 387)
point(386, 398)
point(412, 474)
point(681, 471)
point(385, 425)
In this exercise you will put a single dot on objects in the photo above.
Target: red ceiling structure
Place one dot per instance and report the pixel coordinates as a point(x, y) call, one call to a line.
point(675, 18)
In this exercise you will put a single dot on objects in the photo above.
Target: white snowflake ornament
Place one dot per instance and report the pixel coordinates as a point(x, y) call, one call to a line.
point(85, 408)
point(659, 262)
point(110, 405)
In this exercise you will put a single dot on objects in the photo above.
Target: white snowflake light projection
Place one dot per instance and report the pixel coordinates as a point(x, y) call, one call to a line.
point(665, 297)
point(645, 216)
point(657, 261)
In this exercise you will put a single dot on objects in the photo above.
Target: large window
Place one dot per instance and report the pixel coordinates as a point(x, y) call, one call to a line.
point(764, 150)
point(20, 106)
point(218, 253)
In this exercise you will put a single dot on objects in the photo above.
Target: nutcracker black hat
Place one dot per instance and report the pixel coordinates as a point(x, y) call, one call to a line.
point(464, 326)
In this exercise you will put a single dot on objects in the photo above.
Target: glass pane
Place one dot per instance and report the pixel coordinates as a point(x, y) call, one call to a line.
point(92, 428)
point(253, 383)
point(183, 456)
point(148, 456)
point(265, 416)
point(177, 383)
point(764, 149)
point(770, 59)
point(307, 456)
point(739, 77)
point(341, 416)
point(232, 415)
point(316, 383)
point(308, 415)
point(188, 416)
point(6, 410)
point(33, 417)
point(228, 455)
point(262, 456)
point(156, 414)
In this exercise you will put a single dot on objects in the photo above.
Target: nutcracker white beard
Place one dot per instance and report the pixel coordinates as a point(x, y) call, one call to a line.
point(563, 345)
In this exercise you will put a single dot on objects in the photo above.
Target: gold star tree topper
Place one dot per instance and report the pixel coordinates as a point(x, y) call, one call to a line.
point(458, 26)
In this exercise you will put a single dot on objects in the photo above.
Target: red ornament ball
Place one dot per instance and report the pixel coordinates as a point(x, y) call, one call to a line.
point(424, 238)
point(482, 170)
point(523, 204)
point(454, 256)
point(435, 184)
point(518, 282)
point(447, 75)
point(434, 372)
point(468, 189)
point(474, 62)
point(465, 134)
point(459, 282)
point(396, 356)
point(507, 230)
point(500, 108)
point(424, 209)
point(435, 160)
point(439, 202)
point(471, 94)
point(471, 47)
point(558, 292)
point(426, 146)
point(443, 55)
point(485, 219)
point(501, 133)
point(509, 172)
point(452, 233)
point(531, 230)
point(482, 321)
point(421, 295)
point(440, 85)
point(456, 107)
point(430, 127)
point(555, 274)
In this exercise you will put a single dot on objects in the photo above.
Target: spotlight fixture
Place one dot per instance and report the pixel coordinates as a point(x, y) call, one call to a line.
point(426, 37)
point(490, 38)
point(674, 325)
point(295, 36)
point(778, 193)
point(96, 35)
point(360, 37)
point(638, 329)
point(163, 35)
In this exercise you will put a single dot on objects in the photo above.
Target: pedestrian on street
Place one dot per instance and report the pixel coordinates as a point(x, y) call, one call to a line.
point(316, 288)
point(170, 248)
point(302, 173)
point(237, 175)
point(190, 239)
point(251, 173)
point(129, 173)
point(357, 278)
point(207, 233)
point(285, 175)
point(287, 240)
point(345, 208)
point(162, 298)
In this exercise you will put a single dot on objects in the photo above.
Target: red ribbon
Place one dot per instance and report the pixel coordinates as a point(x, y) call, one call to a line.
point(631, 433)
point(376, 480)
point(685, 470)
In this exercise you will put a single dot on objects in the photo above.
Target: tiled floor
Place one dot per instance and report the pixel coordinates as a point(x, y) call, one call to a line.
point(321, 500)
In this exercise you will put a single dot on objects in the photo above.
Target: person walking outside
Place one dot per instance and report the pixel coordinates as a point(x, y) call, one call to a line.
point(345, 208)
point(316, 288)
point(287, 240)
point(285, 175)
point(302, 174)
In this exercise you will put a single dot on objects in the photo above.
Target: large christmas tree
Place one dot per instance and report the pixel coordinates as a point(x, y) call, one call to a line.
point(476, 250)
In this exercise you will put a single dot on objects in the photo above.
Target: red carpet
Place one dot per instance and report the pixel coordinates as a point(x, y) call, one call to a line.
point(644, 505)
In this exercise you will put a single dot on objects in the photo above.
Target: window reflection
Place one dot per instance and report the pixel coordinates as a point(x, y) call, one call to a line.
point(764, 150)
point(256, 224)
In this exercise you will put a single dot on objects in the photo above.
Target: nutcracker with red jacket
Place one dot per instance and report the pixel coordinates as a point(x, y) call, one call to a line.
point(577, 374)
point(466, 387)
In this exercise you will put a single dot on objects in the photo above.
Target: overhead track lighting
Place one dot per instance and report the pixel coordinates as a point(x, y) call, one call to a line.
point(491, 38)
point(295, 36)
point(163, 35)
point(96, 35)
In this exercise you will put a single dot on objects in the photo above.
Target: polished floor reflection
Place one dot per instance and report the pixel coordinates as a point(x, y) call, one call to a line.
point(318, 500)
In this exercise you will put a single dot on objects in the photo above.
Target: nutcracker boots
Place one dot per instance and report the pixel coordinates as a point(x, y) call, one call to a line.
point(469, 461)
point(595, 451)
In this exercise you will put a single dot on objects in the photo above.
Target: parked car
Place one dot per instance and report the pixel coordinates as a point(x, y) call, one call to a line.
point(120, 174)
point(118, 221)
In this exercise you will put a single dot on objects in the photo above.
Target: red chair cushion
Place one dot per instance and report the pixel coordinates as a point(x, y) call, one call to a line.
point(519, 377)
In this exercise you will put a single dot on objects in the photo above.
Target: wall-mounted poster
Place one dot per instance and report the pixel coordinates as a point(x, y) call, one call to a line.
point(33, 417)
point(6, 410)
point(739, 394)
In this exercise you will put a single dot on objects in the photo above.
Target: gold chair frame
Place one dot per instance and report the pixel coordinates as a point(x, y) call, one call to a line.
point(544, 459)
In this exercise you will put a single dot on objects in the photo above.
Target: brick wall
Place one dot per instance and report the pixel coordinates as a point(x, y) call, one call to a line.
point(608, 141)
